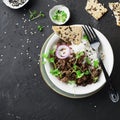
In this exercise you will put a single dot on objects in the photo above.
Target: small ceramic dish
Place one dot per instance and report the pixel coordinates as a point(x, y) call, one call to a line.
point(60, 8)
point(7, 3)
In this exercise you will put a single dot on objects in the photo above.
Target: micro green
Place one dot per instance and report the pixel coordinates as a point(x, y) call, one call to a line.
point(51, 60)
point(96, 63)
point(74, 67)
point(55, 72)
point(78, 55)
point(95, 79)
point(59, 16)
point(35, 14)
point(88, 60)
point(40, 28)
point(85, 37)
point(71, 82)
point(87, 72)
point(52, 51)
point(79, 74)
point(45, 55)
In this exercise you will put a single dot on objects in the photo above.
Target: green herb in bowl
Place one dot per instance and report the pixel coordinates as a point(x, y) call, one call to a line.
point(60, 16)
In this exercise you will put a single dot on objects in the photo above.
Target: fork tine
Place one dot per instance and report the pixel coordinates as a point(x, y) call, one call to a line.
point(93, 31)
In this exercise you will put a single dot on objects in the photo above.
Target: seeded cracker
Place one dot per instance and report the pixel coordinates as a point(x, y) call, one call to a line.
point(97, 10)
point(71, 34)
point(115, 7)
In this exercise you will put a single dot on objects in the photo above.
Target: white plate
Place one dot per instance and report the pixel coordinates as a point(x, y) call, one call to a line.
point(80, 90)
point(49, 82)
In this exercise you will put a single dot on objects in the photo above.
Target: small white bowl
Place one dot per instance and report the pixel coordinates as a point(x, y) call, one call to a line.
point(7, 3)
point(61, 8)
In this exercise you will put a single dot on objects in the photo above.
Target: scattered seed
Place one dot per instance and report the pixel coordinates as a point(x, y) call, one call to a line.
point(27, 53)
point(5, 32)
point(95, 106)
point(36, 23)
point(17, 24)
point(14, 57)
point(43, 35)
point(22, 46)
point(29, 57)
point(35, 74)
point(5, 46)
point(23, 26)
point(21, 53)
point(29, 65)
point(37, 46)
point(31, 33)
point(1, 60)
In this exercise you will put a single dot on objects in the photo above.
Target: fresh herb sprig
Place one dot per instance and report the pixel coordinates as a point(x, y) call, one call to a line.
point(40, 28)
point(34, 14)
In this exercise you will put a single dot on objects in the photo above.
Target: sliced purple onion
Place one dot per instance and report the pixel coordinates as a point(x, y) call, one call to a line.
point(63, 51)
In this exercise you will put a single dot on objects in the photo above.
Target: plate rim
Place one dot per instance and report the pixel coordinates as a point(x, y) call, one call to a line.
point(78, 95)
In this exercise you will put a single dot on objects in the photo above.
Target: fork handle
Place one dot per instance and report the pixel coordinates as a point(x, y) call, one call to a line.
point(114, 96)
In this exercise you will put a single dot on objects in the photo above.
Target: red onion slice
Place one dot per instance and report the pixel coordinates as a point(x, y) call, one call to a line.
point(63, 51)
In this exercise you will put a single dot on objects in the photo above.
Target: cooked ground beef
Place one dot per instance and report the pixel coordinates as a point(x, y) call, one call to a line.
point(71, 66)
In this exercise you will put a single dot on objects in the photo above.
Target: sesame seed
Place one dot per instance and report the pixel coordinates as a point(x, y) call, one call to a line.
point(14, 57)
point(17, 24)
point(8, 114)
point(26, 50)
point(29, 65)
point(35, 74)
point(27, 53)
point(5, 32)
point(23, 26)
point(5, 46)
point(43, 35)
point(1, 60)
point(36, 23)
point(22, 46)
point(31, 33)
point(37, 46)
point(95, 106)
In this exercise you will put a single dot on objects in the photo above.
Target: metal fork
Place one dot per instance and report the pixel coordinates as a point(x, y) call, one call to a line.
point(95, 43)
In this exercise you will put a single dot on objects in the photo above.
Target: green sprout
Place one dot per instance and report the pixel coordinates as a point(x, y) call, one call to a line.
point(96, 63)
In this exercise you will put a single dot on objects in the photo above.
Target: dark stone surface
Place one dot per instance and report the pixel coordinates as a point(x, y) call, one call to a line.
point(23, 93)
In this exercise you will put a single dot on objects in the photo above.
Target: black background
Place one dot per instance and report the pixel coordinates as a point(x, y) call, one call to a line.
point(23, 93)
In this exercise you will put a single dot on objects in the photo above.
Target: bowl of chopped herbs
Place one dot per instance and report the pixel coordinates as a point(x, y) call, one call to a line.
point(15, 4)
point(59, 14)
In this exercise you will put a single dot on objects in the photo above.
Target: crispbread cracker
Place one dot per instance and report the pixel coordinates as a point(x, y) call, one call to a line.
point(97, 10)
point(71, 34)
point(115, 7)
